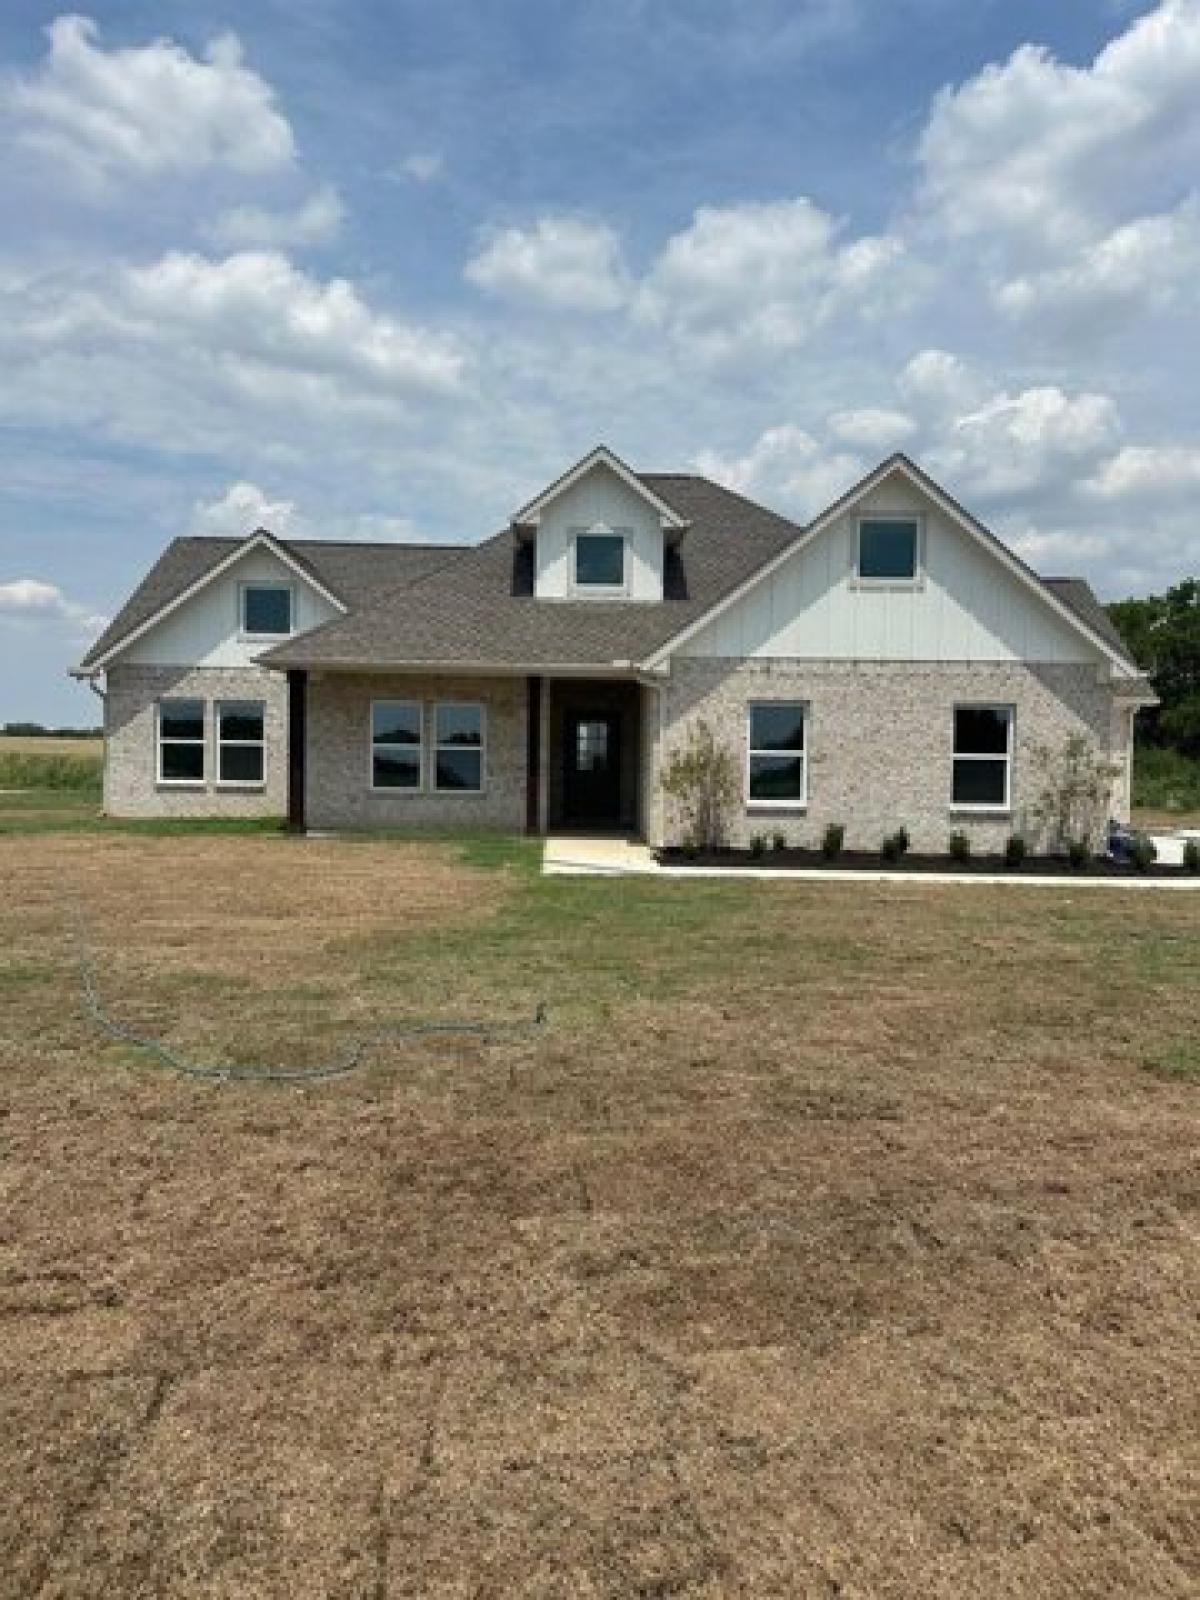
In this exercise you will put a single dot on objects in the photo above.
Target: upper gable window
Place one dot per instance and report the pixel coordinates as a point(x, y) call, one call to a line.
point(889, 549)
point(600, 563)
point(266, 610)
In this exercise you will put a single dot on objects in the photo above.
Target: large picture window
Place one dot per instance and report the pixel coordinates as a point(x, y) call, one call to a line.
point(888, 549)
point(982, 757)
point(776, 758)
point(241, 741)
point(458, 753)
point(181, 741)
point(396, 744)
point(600, 561)
point(266, 610)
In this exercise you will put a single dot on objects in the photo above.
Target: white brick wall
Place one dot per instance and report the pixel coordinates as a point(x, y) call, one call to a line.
point(880, 740)
point(131, 788)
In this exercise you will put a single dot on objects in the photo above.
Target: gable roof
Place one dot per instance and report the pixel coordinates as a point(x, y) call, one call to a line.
point(601, 456)
point(1078, 606)
point(349, 573)
point(482, 612)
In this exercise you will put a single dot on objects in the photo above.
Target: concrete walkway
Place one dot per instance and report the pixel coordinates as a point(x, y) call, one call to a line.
point(575, 855)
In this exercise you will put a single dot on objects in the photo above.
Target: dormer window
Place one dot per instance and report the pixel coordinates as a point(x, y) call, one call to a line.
point(600, 562)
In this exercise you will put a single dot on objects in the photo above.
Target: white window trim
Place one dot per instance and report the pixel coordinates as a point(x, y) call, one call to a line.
point(265, 583)
point(800, 803)
point(435, 745)
point(388, 788)
point(992, 808)
point(917, 581)
point(602, 591)
point(180, 783)
point(239, 744)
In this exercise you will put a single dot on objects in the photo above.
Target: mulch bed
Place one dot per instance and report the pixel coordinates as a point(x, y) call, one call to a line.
point(793, 860)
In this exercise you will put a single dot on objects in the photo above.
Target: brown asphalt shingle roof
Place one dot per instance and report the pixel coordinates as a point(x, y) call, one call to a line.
point(447, 604)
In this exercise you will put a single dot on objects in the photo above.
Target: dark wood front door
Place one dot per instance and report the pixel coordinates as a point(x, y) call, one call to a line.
point(592, 767)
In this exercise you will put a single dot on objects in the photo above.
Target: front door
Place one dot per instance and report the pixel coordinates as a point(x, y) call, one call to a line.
point(592, 767)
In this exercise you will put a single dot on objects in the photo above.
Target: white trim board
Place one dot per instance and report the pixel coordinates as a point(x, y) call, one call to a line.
point(949, 508)
point(261, 539)
point(530, 514)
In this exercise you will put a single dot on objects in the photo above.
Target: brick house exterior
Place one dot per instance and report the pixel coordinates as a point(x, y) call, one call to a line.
point(890, 663)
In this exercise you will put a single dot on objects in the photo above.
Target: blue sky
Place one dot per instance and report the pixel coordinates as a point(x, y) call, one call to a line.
point(380, 270)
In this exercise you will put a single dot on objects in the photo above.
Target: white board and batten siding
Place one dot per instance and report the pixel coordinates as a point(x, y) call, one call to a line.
point(966, 607)
point(599, 501)
point(205, 631)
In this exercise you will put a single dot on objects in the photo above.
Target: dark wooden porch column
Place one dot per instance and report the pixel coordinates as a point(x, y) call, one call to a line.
point(533, 752)
point(297, 681)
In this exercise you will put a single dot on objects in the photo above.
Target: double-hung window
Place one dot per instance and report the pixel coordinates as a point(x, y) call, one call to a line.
point(458, 752)
point(396, 744)
point(889, 550)
point(777, 762)
point(983, 746)
point(241, 741)
point(266, 610)
point(181, 741)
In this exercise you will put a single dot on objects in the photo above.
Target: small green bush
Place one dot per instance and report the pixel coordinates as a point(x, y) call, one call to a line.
point(1015, 852)
point(779, 841)
point(758, 844)
point(835, 838)
point(1078, 854)
point(1191, 855)
point(895, 845)
point(960, 846)
point(1142, 853)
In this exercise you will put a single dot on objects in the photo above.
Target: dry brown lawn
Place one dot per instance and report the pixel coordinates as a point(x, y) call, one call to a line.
point(828, 1241)
point(20, 744)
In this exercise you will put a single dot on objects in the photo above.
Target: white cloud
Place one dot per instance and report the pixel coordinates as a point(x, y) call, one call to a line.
point(567, 263)
point(149, 110)
point(244, 506)
point(1030, 442)
point(940, 383)
point(257, 306)
point(30, 600)
point(422, 167)
point(1148, 472)
point(316, 221)
point(872, 428)
point(786, 467)
point(765, 277)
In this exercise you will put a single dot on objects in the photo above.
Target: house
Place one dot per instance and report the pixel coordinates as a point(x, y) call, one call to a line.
point(890, 663)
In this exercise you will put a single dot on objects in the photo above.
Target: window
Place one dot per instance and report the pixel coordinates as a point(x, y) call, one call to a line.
point(181, 741)
point(458, 756)
point(982, 757)
point(591, 746)
point(241, 754)
point(600, 561)
point(266, 609)
point(888, 549)
point(776, 774)
point(395, 744)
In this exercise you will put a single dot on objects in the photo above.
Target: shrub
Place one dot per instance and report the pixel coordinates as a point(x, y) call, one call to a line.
point(1142, 852)
point(1077, 792)
point(1078, 854)
point(758, 844)
point(1015, 852)
point(895, 845)
point(835, 837)
point(778, 841)
point(703, 780)
point(1191, 855)
point(960, 846)
point(1166, 779)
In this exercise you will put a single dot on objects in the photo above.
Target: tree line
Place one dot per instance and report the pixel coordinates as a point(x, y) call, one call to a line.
point(1162, 633)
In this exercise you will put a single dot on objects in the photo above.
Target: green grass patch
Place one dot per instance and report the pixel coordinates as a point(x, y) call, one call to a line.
point(25, 770)
point(1165, 780)
point(1180, 1060)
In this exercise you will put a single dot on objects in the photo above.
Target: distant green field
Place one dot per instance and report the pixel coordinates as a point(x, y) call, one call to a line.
point(29, 762)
